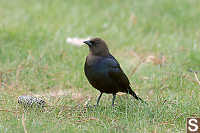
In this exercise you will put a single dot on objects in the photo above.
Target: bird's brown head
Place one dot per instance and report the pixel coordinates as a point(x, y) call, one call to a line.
point(97, 47)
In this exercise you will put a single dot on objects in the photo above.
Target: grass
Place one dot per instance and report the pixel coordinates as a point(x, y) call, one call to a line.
point(36, 60)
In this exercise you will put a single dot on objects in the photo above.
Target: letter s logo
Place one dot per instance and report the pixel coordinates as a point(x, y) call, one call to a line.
point(193, 123)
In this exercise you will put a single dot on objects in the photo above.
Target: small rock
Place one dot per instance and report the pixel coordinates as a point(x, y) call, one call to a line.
point(31, 101)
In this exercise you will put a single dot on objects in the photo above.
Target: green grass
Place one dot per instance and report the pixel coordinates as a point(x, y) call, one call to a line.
point(35, 59)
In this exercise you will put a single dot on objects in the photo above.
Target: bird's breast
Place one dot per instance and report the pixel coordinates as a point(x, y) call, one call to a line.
point(97, 73)
point(96, 70)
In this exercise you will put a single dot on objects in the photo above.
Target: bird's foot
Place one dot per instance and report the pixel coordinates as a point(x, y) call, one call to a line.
point(114, 105)
point(92, 106)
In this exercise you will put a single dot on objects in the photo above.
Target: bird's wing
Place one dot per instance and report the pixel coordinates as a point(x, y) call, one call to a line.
point(116, 73)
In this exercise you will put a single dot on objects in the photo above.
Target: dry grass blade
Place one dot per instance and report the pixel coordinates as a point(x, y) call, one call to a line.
point(195, 75)
point(0, 79)
point(133, 19)
point(5, 110)
point(18, 70)
point(137, 66)
point(23, 123)
point(196, 78)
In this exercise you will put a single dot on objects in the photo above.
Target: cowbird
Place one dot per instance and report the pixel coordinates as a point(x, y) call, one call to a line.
point(104, 72)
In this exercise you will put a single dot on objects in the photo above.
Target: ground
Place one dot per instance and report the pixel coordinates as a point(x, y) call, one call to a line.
point(156, 43)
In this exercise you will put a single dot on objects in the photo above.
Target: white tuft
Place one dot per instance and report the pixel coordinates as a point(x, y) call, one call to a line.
point(76, 41)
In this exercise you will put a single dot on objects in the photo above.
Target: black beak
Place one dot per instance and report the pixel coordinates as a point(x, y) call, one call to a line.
point(88, 43)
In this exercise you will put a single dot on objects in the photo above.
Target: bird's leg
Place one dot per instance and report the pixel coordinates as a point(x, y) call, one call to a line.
point(113, 100)
point(99, 99)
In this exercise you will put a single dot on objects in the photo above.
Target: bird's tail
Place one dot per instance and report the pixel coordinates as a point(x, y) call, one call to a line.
point(135, 96)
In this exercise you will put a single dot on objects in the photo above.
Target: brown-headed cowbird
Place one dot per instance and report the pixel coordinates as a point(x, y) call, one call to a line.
point(104, 72)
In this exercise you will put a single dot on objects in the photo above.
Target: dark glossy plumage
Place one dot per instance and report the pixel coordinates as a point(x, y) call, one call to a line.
point(104, 72)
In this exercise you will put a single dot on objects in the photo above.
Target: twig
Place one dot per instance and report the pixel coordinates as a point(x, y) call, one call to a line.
point(23, 123)
point(195, 74)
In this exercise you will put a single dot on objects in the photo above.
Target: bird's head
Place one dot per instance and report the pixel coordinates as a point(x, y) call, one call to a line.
point(97, 47)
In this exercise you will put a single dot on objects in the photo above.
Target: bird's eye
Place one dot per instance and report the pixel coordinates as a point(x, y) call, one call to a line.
point(92, 42)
